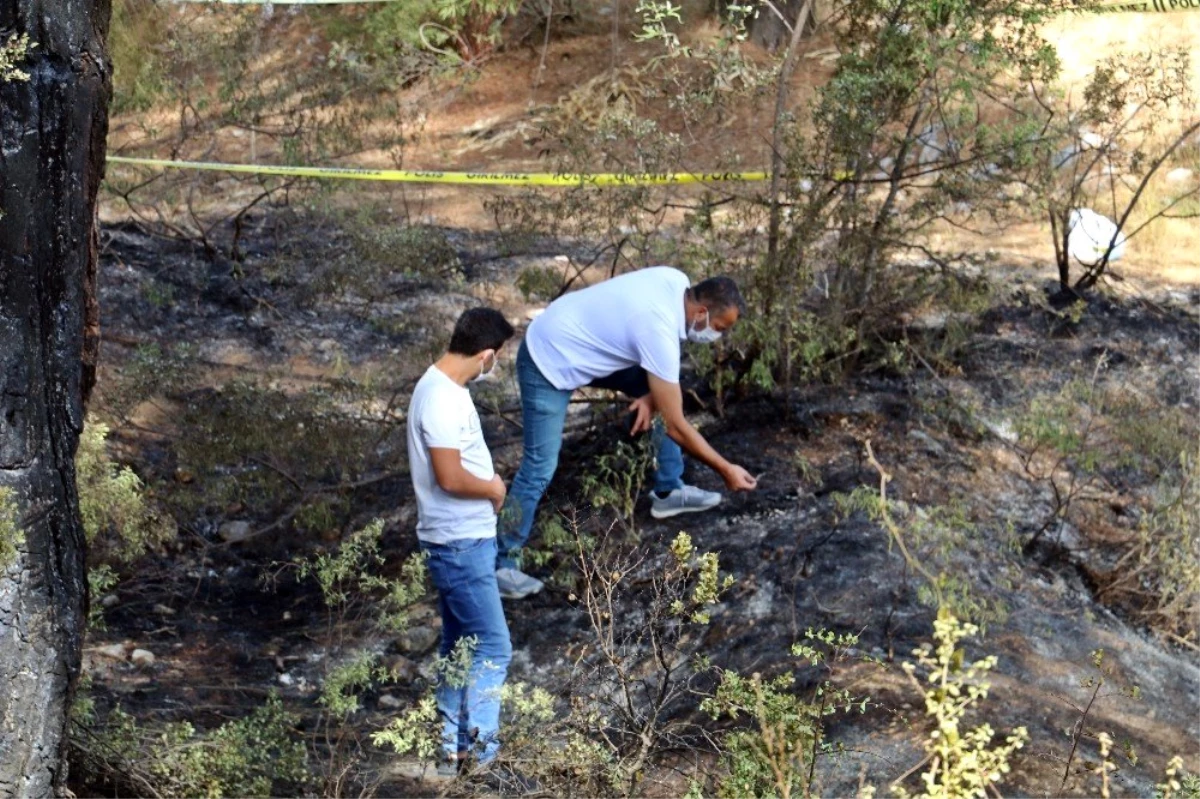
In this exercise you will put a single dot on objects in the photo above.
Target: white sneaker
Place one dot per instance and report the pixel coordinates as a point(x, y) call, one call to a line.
point(687, 499)
point(516, 584)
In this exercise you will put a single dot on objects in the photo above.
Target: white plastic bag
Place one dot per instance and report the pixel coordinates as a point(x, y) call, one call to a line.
point(1088, 237)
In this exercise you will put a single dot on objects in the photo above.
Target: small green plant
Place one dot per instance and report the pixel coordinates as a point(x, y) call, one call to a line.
point(616, 479)
point(1101, 676)
point(1088, 440)
point(272, 450)
point(770, 759)
point(339, 690)
point(962, 762)
point(12, 53)
point(1158, 574)
point(118, 520)
point(778, 754)
point(929, 539)
point(12, 537)
point(635, 675)
point(418, 729)
point(349, 577)
point(358, 596)
point(556, 548)
point(1177, 782)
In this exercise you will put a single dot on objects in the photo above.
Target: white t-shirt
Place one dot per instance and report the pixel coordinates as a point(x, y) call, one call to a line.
point(635, 319)
point(441, 414)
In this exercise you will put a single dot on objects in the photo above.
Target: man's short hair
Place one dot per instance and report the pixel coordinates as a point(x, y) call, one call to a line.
point(479, 329)
point(718, 294)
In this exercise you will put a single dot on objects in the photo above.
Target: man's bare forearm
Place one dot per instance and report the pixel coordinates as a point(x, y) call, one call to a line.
point(697, 446)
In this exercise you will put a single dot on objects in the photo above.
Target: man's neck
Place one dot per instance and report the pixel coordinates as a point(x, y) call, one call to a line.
point(459, 368)
point(690, 307)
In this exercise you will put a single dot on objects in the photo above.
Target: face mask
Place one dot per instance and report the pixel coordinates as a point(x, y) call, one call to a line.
point(703, 336)
point(486, 374)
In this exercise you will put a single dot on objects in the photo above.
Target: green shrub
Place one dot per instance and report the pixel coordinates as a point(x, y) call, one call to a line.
point(616, 479)
point(350, 578)
point(254, 756)
point(772, 757)
point(962, 762)
point(13, 52)
point(265, 448)
point(137, 44)
point(118, 521)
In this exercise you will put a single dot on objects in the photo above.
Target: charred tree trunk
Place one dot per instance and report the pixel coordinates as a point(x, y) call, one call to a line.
point(52, 143)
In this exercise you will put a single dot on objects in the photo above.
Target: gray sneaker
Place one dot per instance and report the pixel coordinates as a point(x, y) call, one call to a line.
point(687, 499)
point(516, 584)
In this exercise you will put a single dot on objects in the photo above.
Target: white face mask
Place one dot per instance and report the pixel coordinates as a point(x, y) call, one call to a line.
point(486, 374)
point(706, 335)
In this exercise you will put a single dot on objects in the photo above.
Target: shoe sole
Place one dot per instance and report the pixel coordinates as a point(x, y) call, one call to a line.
point(666, 514)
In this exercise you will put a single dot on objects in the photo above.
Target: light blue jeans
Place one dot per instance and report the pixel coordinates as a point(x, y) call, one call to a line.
point(464, 573)
point(543, 414)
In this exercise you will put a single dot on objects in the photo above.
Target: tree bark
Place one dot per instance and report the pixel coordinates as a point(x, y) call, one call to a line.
point(52, 148)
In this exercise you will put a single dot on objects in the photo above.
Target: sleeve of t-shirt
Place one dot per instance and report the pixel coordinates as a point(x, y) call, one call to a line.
point(657, 345)
point(441, 423)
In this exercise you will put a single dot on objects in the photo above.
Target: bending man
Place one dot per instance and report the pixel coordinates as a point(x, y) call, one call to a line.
point(623, 334)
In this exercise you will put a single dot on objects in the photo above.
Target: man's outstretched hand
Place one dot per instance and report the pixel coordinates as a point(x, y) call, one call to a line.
point(643, 407)
point(738, 479)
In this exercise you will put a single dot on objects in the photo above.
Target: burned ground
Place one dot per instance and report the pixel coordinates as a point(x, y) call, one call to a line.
point(227, 623)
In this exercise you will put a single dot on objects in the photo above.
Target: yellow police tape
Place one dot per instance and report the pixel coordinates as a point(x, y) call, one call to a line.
point(1147, 6)
point(478, 178)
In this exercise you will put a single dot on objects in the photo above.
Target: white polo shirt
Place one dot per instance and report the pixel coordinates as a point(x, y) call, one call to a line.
point(441, 414)
point(635, 319)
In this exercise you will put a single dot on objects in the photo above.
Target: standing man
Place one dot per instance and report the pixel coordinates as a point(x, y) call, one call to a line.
point(623, 334)
point(458, 497)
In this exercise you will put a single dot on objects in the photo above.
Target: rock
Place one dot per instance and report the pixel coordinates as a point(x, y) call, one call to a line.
point(163, 610)
point(1180, 175)
point(234, 532)
point(286, 679)
point(1002, 429)
point(416, 640)
point(142, 657)
point(389, 702)
point(402, 669)
point(109, 601)
point(761, 602)
point(114, 651)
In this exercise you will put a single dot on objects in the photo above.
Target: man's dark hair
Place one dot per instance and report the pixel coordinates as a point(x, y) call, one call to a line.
point(479, 329)
point(719, 294)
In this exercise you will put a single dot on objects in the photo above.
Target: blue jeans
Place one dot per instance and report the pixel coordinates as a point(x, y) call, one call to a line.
point(464, 574)
point(543, 413)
